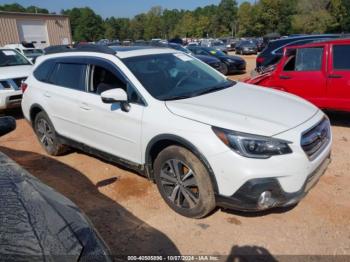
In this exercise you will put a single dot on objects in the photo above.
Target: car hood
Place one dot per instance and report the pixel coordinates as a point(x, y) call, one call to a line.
point(207, 59)
point(10, 72)
point(246, 108)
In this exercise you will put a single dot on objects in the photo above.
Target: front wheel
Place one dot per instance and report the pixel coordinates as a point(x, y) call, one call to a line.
point(224, 69)
point(183, 182)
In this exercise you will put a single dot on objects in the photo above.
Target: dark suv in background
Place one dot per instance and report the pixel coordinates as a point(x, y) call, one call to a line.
point(274, 50)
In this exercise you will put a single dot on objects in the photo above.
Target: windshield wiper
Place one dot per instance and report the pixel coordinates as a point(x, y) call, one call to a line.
point(229, 83)
point(169, 98)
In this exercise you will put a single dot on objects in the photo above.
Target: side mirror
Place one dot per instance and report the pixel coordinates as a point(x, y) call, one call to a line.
point(116, 95)
point(7, 124)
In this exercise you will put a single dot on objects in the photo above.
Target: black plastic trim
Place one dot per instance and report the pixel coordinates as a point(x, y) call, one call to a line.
point(186, 144)
point(35, 105)
point(246, 197)
point(139, 168)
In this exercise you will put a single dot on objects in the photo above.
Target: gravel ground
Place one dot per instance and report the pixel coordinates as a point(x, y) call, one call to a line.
point(132, 218)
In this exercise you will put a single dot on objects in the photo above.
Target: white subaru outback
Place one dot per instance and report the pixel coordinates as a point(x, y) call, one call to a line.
point(14, 68)
point(205, 140)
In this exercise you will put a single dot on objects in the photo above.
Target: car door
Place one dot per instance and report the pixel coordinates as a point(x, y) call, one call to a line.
point(107, 127)
point(61, 94)
point(304, 74)
point(338, 85)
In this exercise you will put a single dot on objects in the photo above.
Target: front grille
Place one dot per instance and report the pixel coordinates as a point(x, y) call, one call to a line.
point(314, 140)
point(19, 81)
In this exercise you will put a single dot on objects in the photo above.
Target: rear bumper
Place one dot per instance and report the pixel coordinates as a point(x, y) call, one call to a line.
point(248, 197)
point(10, 99)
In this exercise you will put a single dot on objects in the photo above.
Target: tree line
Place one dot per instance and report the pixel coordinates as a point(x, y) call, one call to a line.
point(225, 19)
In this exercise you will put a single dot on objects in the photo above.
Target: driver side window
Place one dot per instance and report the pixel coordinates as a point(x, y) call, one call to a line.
point(103, 79)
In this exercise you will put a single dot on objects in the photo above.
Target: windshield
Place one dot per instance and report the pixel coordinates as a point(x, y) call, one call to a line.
point(181, 48)
point(218, 43)
point(32, 52)
point(175, 76)
point(247, 43)
point(215, 52)
point(9, 57)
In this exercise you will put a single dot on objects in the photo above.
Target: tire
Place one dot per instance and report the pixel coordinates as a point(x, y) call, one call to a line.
point(224, 69)
point(47, 135)
point(192, 195)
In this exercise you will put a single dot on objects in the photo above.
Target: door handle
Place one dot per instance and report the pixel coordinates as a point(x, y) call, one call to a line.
point(85, 106)
point(46, 94)
point(285, 77)
point(335, 76)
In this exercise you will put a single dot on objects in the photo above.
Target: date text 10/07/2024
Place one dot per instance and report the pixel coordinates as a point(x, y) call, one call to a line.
point(173, 258)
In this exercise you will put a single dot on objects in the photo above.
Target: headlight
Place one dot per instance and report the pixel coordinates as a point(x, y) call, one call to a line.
point(230, 60)
point(253, 146)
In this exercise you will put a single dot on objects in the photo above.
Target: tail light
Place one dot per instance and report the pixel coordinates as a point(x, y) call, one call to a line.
point(24, 87)
point(260, 60)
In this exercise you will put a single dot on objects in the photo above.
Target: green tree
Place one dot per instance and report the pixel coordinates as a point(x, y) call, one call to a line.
point(153, 24)
point(340, 11)
point(312, 16)
point(12, 8)
point(86, 25)
point(35, 9)
point(225, 18)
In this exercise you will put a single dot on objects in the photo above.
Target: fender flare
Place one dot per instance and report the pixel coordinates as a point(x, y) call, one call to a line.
point(183, 142)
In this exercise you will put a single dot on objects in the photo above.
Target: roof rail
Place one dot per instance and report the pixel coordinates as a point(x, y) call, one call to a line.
point(79, 48)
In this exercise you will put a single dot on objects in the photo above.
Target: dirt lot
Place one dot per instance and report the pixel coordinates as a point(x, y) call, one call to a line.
point(132, 218)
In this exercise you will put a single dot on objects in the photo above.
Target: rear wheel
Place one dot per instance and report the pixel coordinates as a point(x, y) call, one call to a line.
point(47, 135)
point(184, 182)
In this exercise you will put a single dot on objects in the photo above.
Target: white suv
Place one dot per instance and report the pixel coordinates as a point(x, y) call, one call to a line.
point(206, 141)
point(14, 68)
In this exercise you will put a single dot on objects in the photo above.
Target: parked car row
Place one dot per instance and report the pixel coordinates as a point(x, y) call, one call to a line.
point(230, 64)
point(224, 63)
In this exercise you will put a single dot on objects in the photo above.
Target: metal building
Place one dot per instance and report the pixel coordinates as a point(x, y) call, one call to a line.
point(40, 29)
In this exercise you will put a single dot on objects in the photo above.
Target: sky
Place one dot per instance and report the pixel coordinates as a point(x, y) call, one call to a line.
point(117, 8)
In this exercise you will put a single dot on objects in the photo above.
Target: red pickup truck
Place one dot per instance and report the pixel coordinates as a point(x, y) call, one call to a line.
point(318, 72)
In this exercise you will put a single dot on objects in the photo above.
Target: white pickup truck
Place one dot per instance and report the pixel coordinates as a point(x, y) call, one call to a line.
point(14, 68)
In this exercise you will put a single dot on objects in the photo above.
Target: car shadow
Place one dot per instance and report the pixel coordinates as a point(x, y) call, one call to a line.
point(250, 254)
point(337, 118)
point(14, 112)
point(124, 233)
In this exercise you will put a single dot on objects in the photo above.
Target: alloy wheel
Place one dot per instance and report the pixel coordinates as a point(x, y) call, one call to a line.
point(45, 133)
point(179, 184)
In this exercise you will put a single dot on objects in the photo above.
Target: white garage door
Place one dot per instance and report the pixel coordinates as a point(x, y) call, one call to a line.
point(33, 31)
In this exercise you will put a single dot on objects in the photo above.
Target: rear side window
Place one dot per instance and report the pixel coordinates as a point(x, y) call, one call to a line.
point(309, 59)
point(43, 71)
point(69, 75)
point(341, 54)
